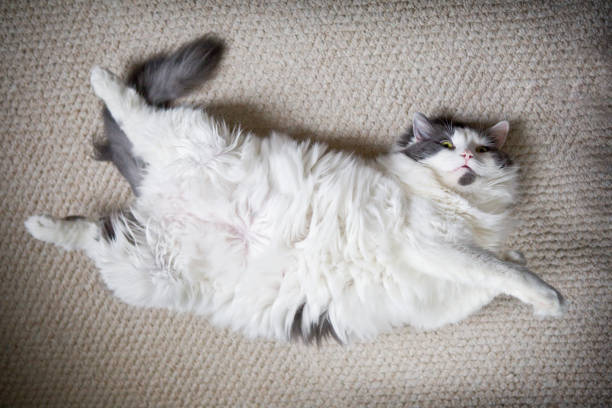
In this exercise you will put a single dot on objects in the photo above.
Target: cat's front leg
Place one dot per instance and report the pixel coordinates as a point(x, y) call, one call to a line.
point(554, 305)
point(545, 299)
point(480, 268)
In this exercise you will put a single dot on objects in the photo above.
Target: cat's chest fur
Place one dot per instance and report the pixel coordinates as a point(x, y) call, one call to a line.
point(455, 220)
point(442, 214)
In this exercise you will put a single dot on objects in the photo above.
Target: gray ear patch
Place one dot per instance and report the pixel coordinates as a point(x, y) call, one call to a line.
point(433, 132)
point(422, 150)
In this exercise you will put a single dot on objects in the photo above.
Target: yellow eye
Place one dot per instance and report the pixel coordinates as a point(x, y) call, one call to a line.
point(482, 149)
point(447, 144)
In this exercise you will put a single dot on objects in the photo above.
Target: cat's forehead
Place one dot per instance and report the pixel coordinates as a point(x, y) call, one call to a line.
point(468, 136)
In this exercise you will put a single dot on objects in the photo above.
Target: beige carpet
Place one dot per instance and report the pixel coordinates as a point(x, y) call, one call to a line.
point(353, 74)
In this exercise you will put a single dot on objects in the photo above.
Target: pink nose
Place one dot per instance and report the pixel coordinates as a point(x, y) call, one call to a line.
point(467, 154)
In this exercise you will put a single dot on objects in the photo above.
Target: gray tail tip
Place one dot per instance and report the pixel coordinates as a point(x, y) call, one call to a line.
point(211, 41)
point(211, 47)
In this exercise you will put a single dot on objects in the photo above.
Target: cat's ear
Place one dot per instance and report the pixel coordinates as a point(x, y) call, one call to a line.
point(422, 127)
point(499, 132)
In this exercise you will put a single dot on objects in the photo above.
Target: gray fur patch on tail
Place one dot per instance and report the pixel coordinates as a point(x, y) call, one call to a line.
point(160, 80)
point(164, 78)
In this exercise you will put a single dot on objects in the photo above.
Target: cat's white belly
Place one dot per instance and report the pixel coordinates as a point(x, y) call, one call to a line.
point(257, 254)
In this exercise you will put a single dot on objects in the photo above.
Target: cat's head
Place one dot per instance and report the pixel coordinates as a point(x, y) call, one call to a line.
point(459, 154)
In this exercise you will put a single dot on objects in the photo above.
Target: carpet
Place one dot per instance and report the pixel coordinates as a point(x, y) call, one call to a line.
point(352, 73)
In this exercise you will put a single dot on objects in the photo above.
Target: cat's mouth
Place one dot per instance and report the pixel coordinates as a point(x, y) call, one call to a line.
point(465, 166)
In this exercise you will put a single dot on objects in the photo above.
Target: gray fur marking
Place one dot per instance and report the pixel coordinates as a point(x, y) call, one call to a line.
point(467, 179)
point(317, 332)
point(440, 129)
point(108, 231)
point(74, 218)
point(117, 148)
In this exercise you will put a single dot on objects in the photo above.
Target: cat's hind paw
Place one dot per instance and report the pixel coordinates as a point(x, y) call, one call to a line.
point(551, 304)
point(69, 233)
point(104, 82)
point(42, 227)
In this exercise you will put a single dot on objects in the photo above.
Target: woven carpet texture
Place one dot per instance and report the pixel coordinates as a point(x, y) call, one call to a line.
point(352, 73)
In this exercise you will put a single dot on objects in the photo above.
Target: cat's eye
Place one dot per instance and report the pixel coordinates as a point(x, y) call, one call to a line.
point(447, 144)
point(482, 149)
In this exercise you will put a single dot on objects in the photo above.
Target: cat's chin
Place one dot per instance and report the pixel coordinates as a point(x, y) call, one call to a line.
point(461, 177)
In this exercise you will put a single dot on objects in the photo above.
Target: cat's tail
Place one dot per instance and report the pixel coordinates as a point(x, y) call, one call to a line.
point(164, 78)
point(160, 80)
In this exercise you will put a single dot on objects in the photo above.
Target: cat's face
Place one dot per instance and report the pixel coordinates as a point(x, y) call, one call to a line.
point(459, 154)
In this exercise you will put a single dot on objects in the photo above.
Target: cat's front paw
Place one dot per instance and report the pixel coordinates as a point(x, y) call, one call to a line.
point(550, 303)
point(515, 256)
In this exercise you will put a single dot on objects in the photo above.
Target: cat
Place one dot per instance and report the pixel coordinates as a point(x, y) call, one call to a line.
point(287, 239)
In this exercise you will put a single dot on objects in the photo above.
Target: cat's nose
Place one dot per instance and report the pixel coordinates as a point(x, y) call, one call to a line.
point(467, 154)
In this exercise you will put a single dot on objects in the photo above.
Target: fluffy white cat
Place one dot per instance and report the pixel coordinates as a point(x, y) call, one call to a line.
point(292, 239)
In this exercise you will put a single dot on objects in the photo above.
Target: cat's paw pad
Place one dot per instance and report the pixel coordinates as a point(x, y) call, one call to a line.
point(42, 227)
point(550, 304)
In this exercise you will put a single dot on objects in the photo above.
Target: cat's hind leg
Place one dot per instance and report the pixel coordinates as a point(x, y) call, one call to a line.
point(70, 233)
point(147, 127)
point(130, 267)
point(130, 110)
point(121, 272)
point(121, 100)
point(160, 136)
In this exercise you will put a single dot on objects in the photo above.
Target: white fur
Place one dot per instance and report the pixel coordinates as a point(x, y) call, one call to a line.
point(246, 229)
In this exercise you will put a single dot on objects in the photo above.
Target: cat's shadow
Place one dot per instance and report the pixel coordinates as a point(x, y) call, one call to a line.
point(250, 118)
